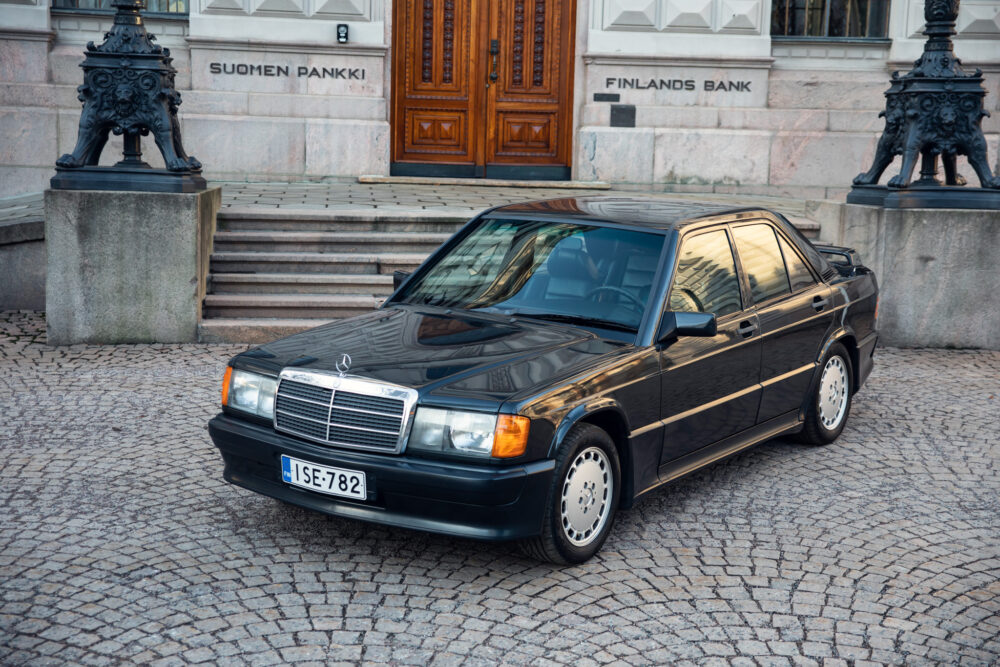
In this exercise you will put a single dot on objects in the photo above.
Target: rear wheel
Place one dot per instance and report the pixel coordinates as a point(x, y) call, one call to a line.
point(583, 498)
point(831, 402)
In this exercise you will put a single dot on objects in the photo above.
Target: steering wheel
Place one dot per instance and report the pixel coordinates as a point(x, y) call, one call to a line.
point(634, 300)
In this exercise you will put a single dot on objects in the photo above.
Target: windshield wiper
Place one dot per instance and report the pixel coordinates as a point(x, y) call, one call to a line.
point(576, 319)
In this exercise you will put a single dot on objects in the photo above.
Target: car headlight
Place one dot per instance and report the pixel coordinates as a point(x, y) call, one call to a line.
point(469, 433)
point(250, 392)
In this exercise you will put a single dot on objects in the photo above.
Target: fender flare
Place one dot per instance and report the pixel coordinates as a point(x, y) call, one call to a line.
point(580, 412)
point(838, 334)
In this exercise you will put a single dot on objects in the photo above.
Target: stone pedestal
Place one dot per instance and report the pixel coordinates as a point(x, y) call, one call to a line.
point(127, 267)
point(937, 272)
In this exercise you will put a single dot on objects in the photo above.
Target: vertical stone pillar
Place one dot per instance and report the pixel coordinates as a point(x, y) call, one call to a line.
point(27, 136)
point(24, 15)
point(127, 267)
point(25, 38)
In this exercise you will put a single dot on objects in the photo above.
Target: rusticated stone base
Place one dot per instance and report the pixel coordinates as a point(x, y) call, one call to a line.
point(936, 269)
point(127, 267)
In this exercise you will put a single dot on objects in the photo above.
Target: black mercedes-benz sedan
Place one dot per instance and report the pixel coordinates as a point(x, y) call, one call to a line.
point(550, 364)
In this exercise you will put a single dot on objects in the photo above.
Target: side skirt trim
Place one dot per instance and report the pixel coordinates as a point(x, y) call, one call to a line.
point(725, 448)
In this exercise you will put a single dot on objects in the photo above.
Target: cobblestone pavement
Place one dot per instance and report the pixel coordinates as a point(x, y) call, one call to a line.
point(120, 543)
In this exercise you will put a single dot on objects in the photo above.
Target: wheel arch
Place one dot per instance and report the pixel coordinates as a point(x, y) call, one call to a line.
point(850, 342)
point(609, 416)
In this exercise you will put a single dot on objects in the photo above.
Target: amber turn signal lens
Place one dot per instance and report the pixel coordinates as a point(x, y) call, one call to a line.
point(225, 384)
point(511, 436)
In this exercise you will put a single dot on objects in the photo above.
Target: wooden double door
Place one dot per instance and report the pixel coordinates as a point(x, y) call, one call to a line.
point(482, 88)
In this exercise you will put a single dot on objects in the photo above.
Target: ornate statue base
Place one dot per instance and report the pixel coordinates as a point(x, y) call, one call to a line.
point(128, 90)
point(924, 196)
point(127, 178)
point(932, 113)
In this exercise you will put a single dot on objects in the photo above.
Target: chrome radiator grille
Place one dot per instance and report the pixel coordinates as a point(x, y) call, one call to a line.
point(343, 411)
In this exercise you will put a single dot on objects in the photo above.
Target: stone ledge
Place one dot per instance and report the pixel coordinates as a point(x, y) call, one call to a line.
point(324, 48)
point(235, 330)
point(359, 214)
point(22, 231)
point(489, 182)
point(26, 35)
point(658, 60)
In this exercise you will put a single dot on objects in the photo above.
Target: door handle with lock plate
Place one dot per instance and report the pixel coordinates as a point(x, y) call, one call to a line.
point(494, 51)
point(746, 328)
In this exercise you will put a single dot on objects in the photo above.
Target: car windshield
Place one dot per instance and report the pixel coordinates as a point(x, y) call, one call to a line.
point(576, 273)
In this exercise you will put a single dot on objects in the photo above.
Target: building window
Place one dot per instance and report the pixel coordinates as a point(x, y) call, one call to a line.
point(830, 18)
point(152, 6)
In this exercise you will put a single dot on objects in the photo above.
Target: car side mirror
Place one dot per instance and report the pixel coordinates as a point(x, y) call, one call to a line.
point(675, 325)
point(398, 278)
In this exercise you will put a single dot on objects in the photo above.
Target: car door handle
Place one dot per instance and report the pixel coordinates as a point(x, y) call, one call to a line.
point(746, 329)
point(819, 303)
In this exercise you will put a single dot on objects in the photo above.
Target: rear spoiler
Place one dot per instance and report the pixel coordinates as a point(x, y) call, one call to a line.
point(846, 260)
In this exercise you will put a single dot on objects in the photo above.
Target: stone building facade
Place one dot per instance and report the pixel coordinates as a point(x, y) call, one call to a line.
point(690, 95)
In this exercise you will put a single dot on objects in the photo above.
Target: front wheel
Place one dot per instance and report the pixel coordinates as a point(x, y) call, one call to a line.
point(831, 402)
point(583, 498)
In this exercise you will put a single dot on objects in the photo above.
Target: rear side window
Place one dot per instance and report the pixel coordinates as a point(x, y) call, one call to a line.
point(762, 262)
point(706, 279)
point(798, 273)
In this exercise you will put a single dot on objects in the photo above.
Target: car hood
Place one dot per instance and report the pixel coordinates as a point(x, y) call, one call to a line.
point(451, 358)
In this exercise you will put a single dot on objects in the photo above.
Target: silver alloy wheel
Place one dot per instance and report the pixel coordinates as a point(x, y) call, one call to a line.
point(586, 496)
point(833, 393)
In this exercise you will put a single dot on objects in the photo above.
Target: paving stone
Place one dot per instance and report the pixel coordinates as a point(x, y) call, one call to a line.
point(121, 544)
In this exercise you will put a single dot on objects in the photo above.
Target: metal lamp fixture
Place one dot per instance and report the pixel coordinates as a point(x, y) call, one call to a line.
point(935, 110)
point(128, 89)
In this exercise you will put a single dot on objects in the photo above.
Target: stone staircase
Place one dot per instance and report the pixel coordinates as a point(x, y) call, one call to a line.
point(277, 271)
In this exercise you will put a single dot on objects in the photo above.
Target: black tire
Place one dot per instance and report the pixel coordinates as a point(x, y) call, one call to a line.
point(817, 429)
point(554, 544)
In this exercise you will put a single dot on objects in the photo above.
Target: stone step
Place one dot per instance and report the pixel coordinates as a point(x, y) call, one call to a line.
point(328, 242)
point(252, 330)
point(809, 228)
point(352, 220)
point(296, 306)
point(314, 262)
point(482, 182)
point(301, 283)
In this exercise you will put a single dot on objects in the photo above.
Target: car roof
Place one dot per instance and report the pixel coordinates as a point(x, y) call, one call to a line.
point(652, 212)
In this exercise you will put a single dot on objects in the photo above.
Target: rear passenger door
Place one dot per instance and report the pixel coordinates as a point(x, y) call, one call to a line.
point(794, 311)
point(709, 387)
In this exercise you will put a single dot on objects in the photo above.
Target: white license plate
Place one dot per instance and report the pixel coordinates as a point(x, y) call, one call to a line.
point(324, 479)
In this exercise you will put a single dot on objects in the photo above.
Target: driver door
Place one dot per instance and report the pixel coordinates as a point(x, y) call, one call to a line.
point(710, 386)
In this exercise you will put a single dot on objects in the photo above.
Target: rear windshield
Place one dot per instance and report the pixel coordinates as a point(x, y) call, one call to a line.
point(545, 268)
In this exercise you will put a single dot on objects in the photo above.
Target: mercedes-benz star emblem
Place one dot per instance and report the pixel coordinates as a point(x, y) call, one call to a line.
point(344, 364)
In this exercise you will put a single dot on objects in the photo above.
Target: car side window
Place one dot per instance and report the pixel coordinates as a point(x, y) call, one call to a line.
point(706, 279)
point(798, 273)
point(761, 260)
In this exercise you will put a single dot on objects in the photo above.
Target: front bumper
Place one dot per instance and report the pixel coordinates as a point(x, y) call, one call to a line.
point(482, 502)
